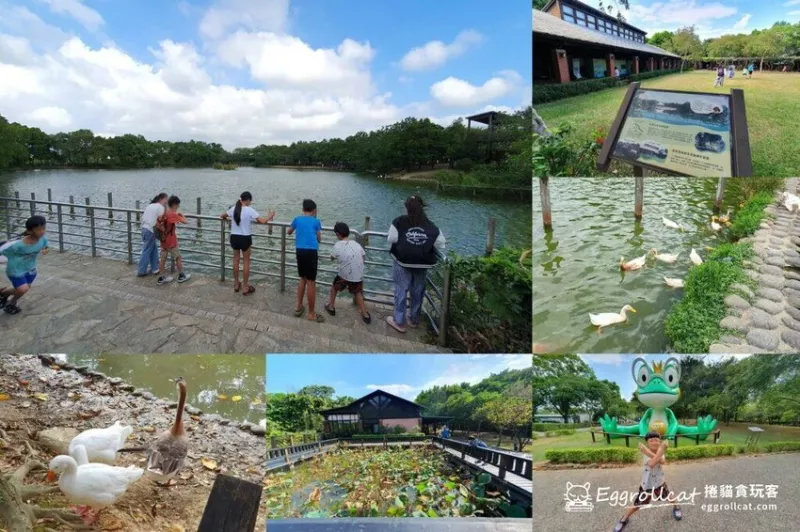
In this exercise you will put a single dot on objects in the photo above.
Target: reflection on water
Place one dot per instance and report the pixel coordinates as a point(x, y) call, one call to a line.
point(212, 381)
point(340, 196)
point(576, 264)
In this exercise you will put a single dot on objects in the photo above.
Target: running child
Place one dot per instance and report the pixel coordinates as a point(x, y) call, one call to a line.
point(720, 81)
point(242, 215)
point(21, 267)
point(167, 228)
point(351, 257)
point(652, 486)
point(309, 235)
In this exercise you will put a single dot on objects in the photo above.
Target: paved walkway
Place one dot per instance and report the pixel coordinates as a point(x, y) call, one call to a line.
point(768, 321)
point(81, 304)
point(550, 487)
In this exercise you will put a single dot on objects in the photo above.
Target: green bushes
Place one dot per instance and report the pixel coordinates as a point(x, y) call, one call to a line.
point(224, 166)
point(592, 455)
point(749, 217)
point(544, 427)
point(491, 298)
point(699, 451)
point(557, 91)
point(565, 432)
point(464, 165)
point(779, 446)
point(692, 324)
point(558, 154)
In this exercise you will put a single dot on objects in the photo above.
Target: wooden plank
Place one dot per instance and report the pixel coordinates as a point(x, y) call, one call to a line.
point(742, 164)
point(604, 159)
point(232, 506)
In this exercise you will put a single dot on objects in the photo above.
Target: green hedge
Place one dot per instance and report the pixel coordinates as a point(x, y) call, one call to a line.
point(544, 427)
point(778, 446)
point(592, 455)
point(699, 451)
point(565, 432)
point(558, 91)
point(387, 436)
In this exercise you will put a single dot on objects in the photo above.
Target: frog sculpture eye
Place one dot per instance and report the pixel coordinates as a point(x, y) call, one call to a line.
point(641, 372)
point(672, 373)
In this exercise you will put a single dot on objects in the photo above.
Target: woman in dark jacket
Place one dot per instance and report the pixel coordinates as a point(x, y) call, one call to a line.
point(414, 240)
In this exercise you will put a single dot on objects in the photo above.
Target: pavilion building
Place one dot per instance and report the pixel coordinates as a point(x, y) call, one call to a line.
point(574, 41)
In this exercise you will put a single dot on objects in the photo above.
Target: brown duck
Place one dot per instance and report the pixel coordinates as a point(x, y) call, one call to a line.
point(167, 455)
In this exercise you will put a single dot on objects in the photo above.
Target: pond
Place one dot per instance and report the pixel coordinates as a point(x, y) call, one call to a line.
point(340, 196)
point(409, 482)
point(231, 386)
point(576, 264)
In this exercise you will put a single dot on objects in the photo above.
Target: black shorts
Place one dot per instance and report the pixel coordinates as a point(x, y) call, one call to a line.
point(241, 242)
point(355, 287)
point(307, 260)
point(645, 497)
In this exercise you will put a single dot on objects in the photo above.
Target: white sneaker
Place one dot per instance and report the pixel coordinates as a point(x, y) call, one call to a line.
point(165, 280)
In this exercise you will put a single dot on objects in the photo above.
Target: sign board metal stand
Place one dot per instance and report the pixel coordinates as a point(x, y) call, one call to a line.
point(741, 163)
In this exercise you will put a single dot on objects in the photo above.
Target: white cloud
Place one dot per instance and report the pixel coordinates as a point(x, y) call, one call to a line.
point(436, 53)
point(792, 3)
point(288, 62)
point(20, 21)
point(401, 390)
point(794, 13)
point(223, 15)
point(676, 13)
point(455, 92)
point(88, 17)
point(742, 23)
point(15, 50)
point(49, 117)
point(613, 360)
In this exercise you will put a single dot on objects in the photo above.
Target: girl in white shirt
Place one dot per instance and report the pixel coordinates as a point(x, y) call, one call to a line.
point(242, 215)
point(150, 244)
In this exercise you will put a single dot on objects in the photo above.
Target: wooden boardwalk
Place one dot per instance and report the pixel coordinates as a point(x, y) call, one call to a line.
point(521, 482)
point(279, 462)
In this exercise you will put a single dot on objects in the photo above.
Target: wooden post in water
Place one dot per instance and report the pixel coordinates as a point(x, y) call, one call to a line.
point(720, 194)
point(16, 195)
point(637, 211)
point(138, 210)
point(544, 195)
point(49, 200)
point(72, 204)
point(110, 206)
point(365, 240)
point(490, 236)
point(33, 204)
point(199, 212)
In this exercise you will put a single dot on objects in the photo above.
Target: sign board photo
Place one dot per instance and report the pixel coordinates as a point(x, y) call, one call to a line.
point(680, 133)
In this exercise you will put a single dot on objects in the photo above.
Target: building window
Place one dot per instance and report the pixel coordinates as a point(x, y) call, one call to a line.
point(568, 10)
point(569, 18)
point(591, 20)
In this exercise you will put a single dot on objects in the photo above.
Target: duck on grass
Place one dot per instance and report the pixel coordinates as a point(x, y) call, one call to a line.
point(416, 482)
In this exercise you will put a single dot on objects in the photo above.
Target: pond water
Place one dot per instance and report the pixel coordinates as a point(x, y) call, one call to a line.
point(340, 196)
point(212, 381)
point(576, 265)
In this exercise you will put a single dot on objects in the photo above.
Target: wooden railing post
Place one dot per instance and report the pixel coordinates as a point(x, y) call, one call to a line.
point(33, 204)
point(199, 212)
point(639, 197)
point(544, 196)
point(49, 200)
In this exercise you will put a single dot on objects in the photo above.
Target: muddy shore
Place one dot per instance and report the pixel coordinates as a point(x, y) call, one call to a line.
point(39, 393)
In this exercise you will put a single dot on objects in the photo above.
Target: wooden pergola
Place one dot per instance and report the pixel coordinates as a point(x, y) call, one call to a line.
point(489, 118)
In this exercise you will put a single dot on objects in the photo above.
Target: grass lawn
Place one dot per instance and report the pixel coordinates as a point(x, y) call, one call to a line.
point(734, 434)
point(772, 103)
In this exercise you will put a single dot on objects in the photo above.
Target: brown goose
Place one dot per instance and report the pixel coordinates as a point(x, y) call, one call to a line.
point(167, 455)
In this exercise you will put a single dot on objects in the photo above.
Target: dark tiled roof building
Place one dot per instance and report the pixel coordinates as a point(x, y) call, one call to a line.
point(572, 40)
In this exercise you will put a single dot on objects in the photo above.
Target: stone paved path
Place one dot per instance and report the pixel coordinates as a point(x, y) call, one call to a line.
point(768, 321)
point(81, 304)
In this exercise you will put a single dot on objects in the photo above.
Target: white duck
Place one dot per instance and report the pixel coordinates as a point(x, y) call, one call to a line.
point(695, 258)
point(94, 485)
point(673, 282)
point(669, 223)
point(633, 264)
point(610, 318)
point(102, 444)
point(167, 455)
point(726, 218)
point(714, 225)
point(665, 257)
point(790, 201)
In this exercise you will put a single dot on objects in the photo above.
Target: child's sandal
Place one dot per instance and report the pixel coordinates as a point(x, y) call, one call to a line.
point(620, 525)
point(299, 312)
point(330, 310)
point(676, 513)
point(367, 319)
point(249, 290)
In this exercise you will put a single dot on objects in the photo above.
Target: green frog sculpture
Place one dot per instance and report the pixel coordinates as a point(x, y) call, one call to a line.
point(658, 388)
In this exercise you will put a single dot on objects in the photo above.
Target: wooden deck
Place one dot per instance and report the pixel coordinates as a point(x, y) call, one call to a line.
point(512, 478)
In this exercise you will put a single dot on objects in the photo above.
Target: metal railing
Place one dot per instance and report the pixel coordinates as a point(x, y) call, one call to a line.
point(109, 231)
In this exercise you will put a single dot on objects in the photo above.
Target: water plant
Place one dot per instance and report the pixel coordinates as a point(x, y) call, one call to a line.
point(410, 482)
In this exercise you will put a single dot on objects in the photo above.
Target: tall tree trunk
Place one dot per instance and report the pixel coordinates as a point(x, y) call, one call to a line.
point(761, 65)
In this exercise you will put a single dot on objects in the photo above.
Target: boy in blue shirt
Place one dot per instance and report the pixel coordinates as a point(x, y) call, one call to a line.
point(21, 268)
point(309, 235)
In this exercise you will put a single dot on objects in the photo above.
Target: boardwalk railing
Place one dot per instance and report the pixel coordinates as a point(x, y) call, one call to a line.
point(281, 452)
point(114, 232)
point(504, 462)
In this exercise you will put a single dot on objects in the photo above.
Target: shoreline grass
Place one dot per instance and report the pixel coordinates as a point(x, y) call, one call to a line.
point(772, 101)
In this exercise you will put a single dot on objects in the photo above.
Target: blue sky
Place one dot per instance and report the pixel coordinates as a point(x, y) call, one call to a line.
point(617, 368)
point(711, 18)
point(243, 72)
point(402, 375)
